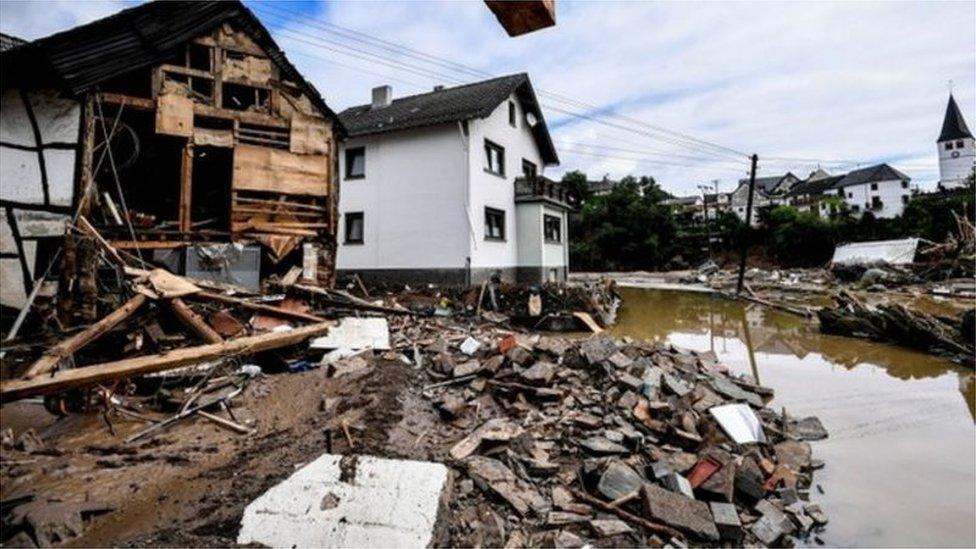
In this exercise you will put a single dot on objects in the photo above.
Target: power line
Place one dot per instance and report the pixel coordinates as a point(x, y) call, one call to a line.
point(675, 138)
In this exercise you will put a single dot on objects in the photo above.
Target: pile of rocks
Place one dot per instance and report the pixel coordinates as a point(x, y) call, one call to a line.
point(611, 441)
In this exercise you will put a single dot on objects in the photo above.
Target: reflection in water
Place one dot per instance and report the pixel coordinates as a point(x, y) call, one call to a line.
point(901, 453)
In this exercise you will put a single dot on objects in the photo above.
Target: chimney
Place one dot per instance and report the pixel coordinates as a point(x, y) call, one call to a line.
point(438, 88)
point(382, 97)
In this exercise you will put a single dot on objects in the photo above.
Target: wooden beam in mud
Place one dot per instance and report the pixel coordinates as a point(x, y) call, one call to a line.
point(90, 375)
point(53, 356)
point(193, 321)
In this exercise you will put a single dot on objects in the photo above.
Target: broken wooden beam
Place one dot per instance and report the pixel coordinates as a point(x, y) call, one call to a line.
point(89, 375)
point(52, 357)
point(193, 321)
point(259, 307)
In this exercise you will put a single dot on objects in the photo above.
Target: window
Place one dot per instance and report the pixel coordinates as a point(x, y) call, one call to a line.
point(553, 227)
point(511, 115)
point(949, 146)
point(855, 208)
point(874, 186)
point(904, 199)
point(494, 224)
point(904, 184)
point(850, 195)
point(529, 169)
point(960, 144)
point(354, 228)
point(876, 203)
point(356, 163)
point(495, 158)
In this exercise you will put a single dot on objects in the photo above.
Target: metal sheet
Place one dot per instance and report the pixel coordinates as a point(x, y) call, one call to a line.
point(739, 422)
point(892, 252)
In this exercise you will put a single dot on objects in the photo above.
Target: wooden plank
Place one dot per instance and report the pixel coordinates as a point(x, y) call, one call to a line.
point(212, 137)
point(523, 16)
point(199, 109)
point(130, 101)
point(174, 115)
point(147, 244)
point(281, 212)
point(250, 70)
point(287, 205)
point(273, 170)
point(259, 307)
point(193, 321)
point(309, 135)
point(112, 254)
point(53, 356)
point(90, 375)
point(186, 188)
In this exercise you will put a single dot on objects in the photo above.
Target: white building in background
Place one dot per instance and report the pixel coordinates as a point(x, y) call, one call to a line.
point(957, 149)
point(447, 187)
point(881, 190)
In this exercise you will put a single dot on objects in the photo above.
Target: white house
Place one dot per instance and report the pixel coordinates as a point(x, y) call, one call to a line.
point(957, 149)
point(447, 187)
point(881, 190)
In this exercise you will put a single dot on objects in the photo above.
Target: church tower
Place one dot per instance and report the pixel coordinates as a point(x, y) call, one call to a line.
point(957, 155)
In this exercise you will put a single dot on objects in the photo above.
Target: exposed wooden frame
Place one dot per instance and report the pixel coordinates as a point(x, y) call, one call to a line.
point(186, 187)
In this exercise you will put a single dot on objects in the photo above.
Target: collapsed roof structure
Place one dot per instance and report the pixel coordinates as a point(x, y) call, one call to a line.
point(177, 133)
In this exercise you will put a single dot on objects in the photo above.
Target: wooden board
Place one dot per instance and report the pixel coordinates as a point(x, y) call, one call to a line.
point(211, 137)
point(273, 170)
point(309, 135)
point(174, 115)
point(251, 69)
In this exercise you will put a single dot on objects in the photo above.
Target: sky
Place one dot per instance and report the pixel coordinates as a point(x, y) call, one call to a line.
point(681, 91)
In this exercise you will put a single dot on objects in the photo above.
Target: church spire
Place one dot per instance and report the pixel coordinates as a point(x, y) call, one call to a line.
point(954, 126)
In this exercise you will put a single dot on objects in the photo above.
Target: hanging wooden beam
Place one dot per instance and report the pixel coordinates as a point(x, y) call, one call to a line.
point(63, 350)
point(84, 377)
point(186, 187)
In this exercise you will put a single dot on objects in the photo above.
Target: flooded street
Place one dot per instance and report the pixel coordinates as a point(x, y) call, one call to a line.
point(901, 453)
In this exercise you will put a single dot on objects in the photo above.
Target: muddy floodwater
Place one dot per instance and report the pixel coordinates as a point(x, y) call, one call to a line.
point(901, 456)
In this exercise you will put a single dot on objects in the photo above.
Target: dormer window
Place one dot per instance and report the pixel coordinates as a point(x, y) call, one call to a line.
point(512, 118)
point(960, 144)
point(949, 146)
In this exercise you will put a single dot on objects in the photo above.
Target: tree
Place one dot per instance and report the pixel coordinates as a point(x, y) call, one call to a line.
point(575, 182)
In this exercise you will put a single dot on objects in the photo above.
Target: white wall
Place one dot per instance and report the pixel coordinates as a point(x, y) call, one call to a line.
point(556, 255)
point(413, 198)
point(58, 121)
point(890, 192)
point(490, 190)
point(956, 164)
point(534, 250)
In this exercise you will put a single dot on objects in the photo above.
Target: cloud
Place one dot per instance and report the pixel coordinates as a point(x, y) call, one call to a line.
point(812, 80)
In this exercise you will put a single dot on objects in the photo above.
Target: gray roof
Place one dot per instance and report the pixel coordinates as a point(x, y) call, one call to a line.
point(476, 100)
point(712, 198)
point(7, 41)
point(871, 174)
point(767, 185)
point(602, 185)
point(682, 200)
point(814, 186)
point(954, 126)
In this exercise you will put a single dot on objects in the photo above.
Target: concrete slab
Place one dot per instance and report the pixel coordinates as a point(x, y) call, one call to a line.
point(356, 333)
point(349, 501)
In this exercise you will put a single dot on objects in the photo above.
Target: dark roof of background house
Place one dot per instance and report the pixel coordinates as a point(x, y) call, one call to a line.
point(767, 185)
point(815, 186)
point(682, 200)
point(7, 41)
point(871, 174)
point(80, 58)
point(954, 126)
point(601, 185)
point(712, 198)
point(476, 100)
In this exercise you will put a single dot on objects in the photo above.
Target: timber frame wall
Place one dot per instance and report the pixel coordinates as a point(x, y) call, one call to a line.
point(223, 92)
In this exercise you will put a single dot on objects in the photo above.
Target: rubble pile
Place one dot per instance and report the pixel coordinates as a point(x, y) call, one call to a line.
point(603, 441)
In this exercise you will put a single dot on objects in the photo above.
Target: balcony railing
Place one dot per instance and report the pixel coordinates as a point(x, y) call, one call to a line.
point(541, 188)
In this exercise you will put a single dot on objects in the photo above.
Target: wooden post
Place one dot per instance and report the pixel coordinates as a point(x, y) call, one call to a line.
point(53, 356)
point(193, 321)
point(186, 187)
point(745, 241)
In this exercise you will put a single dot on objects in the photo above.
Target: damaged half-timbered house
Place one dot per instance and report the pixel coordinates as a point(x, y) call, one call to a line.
point(176, 131)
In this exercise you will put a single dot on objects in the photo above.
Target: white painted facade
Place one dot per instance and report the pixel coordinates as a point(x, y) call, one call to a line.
point(892, 195)
point(424, 194)
point(36, 212)
point(957, 160)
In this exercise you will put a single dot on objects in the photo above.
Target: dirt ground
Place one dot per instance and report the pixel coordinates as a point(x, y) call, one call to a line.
point(189, 485)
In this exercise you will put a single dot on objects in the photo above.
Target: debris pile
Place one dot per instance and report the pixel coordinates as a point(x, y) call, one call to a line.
point(604, 441)
point(897, 323)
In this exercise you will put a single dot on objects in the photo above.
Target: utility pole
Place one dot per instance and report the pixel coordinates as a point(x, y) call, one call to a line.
point(745, 241)
point(708, 232)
